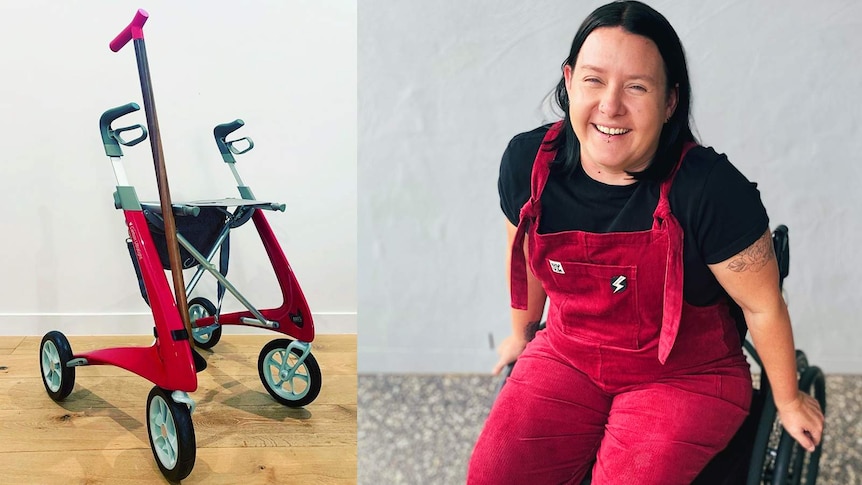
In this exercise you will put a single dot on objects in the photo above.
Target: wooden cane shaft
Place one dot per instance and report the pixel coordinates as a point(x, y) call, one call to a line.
point(163, 186)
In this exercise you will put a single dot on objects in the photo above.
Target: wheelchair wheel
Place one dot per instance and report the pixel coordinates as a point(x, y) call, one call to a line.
point(778, 459)
point(54, 353)
point(762, 467)
point(793, 464)
point(171, 433)
point(205, 337)
point(288, 381)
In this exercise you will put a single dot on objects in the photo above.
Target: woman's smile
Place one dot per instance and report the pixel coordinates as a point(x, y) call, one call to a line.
point(607, 130)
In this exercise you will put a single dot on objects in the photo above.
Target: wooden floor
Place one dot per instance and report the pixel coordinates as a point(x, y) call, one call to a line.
point(98, 435)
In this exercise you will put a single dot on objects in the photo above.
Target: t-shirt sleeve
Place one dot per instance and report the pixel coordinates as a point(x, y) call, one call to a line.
point(516, 168)
point(731, 216)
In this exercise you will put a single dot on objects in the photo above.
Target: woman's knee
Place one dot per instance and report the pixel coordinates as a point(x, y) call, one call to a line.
point(533, 436)
point(666, 435)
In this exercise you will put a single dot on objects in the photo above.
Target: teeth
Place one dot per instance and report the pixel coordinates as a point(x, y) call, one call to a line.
point(611, 131)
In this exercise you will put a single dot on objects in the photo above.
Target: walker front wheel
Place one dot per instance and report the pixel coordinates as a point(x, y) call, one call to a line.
point(289, 381)
point(54, 353)
point(205, 337)
point(171, 433)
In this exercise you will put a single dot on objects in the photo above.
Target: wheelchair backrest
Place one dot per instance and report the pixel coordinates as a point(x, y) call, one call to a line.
point(781, 243)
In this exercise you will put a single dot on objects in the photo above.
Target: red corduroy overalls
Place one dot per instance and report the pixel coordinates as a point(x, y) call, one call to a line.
point(627, 374)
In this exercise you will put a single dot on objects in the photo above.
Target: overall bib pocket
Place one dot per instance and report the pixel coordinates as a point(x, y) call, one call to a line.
point(597, 302)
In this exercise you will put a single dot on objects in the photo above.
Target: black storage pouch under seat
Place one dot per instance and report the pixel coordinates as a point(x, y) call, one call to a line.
point(201, 231)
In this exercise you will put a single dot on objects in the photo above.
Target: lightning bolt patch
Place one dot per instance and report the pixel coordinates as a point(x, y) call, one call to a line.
point(618, 283)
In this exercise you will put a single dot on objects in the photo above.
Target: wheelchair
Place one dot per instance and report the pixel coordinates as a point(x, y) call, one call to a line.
point(761, 452)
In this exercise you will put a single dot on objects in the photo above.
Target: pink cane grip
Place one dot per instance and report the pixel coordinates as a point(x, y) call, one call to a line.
point(135, 30)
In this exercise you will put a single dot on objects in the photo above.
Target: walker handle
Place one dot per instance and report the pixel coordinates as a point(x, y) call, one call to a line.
point(221, 132)
point(237, 151)
point(135, 30)
point(111, 138)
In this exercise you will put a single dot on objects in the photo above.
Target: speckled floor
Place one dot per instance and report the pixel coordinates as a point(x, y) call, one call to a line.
point(420, 430)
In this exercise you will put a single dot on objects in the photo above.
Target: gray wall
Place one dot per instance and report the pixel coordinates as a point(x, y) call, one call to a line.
point(288, 69)
point(444, 85)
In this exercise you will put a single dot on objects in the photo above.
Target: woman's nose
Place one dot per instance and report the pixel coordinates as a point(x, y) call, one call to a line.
point(611, 102)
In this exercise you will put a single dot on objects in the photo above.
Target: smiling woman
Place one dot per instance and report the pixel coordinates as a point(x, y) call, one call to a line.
point(634, 235)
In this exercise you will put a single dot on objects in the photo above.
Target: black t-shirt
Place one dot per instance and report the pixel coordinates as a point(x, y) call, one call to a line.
point(719, 210)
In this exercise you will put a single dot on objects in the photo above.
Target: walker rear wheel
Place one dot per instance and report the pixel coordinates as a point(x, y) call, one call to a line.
point(171, 433)
point(205, 337)
point(54, 353)
point(288, 381)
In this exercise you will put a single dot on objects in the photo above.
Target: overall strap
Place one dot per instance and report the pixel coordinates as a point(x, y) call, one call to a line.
point(673, 280)
point(663, 207)
point(528, 216)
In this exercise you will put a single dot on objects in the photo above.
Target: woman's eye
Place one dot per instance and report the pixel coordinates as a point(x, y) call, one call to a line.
point(592, 80)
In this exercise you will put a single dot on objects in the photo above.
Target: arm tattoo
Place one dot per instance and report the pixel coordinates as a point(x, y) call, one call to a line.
point(754, 257)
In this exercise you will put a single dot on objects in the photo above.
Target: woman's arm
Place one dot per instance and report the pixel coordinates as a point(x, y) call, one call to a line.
point(512, 346)
point(751, 279)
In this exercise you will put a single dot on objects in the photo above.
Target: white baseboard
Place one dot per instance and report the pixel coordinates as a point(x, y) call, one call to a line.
point(18, 324)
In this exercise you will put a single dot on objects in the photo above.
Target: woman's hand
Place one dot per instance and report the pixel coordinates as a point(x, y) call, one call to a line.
point(509, 349)
point(803, 419)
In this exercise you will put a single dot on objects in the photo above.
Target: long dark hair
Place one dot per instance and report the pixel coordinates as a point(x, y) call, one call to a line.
point(639, 19)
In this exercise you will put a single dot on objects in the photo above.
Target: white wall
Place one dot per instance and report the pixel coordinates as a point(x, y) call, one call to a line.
point(288, 69)
point(444, 85)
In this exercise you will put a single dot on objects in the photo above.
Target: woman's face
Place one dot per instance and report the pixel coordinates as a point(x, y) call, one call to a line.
point(618, 102)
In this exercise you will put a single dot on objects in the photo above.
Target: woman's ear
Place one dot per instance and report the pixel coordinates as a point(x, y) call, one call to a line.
point(672, 100)
point(567, 75)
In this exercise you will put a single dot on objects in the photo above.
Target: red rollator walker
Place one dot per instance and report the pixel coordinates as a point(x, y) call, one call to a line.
point(179, 236)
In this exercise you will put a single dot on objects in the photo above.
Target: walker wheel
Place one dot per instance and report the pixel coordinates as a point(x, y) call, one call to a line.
point(54, 353)
point(288, 383)
point(205, 337)
point(171, 433)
